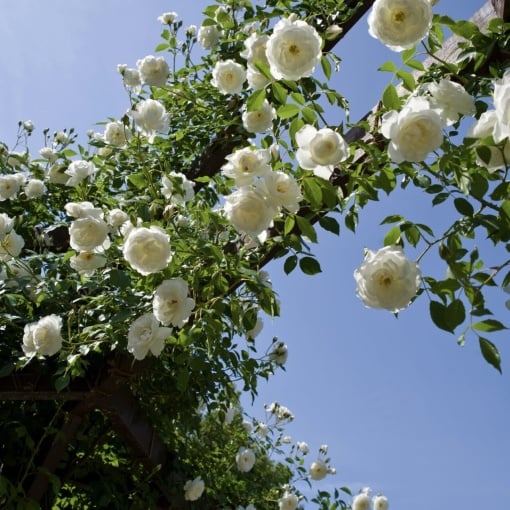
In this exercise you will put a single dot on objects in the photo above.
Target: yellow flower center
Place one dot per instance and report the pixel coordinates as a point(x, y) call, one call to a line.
point(399, 17)
point(384, 279)
point(294, 49)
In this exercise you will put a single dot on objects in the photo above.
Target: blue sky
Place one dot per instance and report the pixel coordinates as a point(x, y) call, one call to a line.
point(403, 409)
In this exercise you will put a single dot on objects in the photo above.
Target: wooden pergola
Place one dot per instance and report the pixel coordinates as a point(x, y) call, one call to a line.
point(109, 390)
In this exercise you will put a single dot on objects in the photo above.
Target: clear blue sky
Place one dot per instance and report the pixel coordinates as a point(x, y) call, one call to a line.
point(401, 406)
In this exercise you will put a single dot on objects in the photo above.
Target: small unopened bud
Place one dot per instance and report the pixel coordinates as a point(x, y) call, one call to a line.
point(332, 32)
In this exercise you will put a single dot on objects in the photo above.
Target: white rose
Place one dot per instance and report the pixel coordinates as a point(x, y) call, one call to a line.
point(116, 218)
point(78, 171)
point(87, 262)
point(154, 71)
point(150, 117)
point(11, 245)
point(254, 332)
point(320, 150)
point(261, 120)
point(244, 164)
point(502, 107)
point(255, 49)
point(318, 470)
point(83, 210)
point(413, 132)
point(293, 49)
point(9, 186)
point(56, 174)
point(288, 501)
point(147, 249)
point(88, 234)
point(400, 24)
point(130, 77)
point(387, 279)
point(43, 337)
point(303, 447)
point(35, 188)
point(117, 134)
point(245, 459)
point(279, 355)
point(48, 153)
point(144, 335)
point(256, 80)
point(167, 18)
point(451, 99)
point(191, 30)
point(228, 76)
point(282, 190)
point(380, 503)
point(208, 36)
point(249, 211)
point(483, 128)
point(361, 502)
point(193, 489)
point(171, 304)
point(6, 225)
point(178, 189)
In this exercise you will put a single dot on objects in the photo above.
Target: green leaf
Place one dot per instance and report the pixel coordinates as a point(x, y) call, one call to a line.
point(466, 29)
point(407, 78)
point(326, 66)
point(312, 192)
point(447, 317)
point(279, 92)
point(463, 206)
point(309, 266)
point(488, 325)
point(392, 236)
point(306, 228)
point(287, 111)
point(330, 224)
point(389, 66)
point(490, 353)
point(290, 221)
point(61, 382)
point(256, 100)
point(390, 97)
point(290, 264)
point(138, 180)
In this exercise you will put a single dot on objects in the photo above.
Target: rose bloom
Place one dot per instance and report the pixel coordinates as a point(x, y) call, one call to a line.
point(130, 77)
point(293, 49)
point(154, 71)
point(208, 36)
point(78, 171)
point(279, 354)
point(34, 188)
point(167, 17)
point(361, 502)
point(288, 501)
point(502, 107)
point(11, 245)
point(245, 459)
point(400, 24)
point(145, 334)
point(48, 153)
point(387, 279)
point(87, 262)
point(228, 77)
point(249, 211)
point(10, 185)
point(484, 128)
point(261, 120)
point(193, 489)
point(88, 234)
point(255, 331)
point(451, 99)
point(244, 164)
point(147, 249)
point(282, 190)
point(43, 337)
point(177, 188)
point(318, 470)
point(380, 503)
point(83, 210)
point(171, 304)
point(191, 30)
point(320, 150)
point(150, 117)
point(6, 225)
point(117, 134)
point(255, 51)
point(303, 447)
point(56, 174)
point(116, 218)
point(413, 132)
